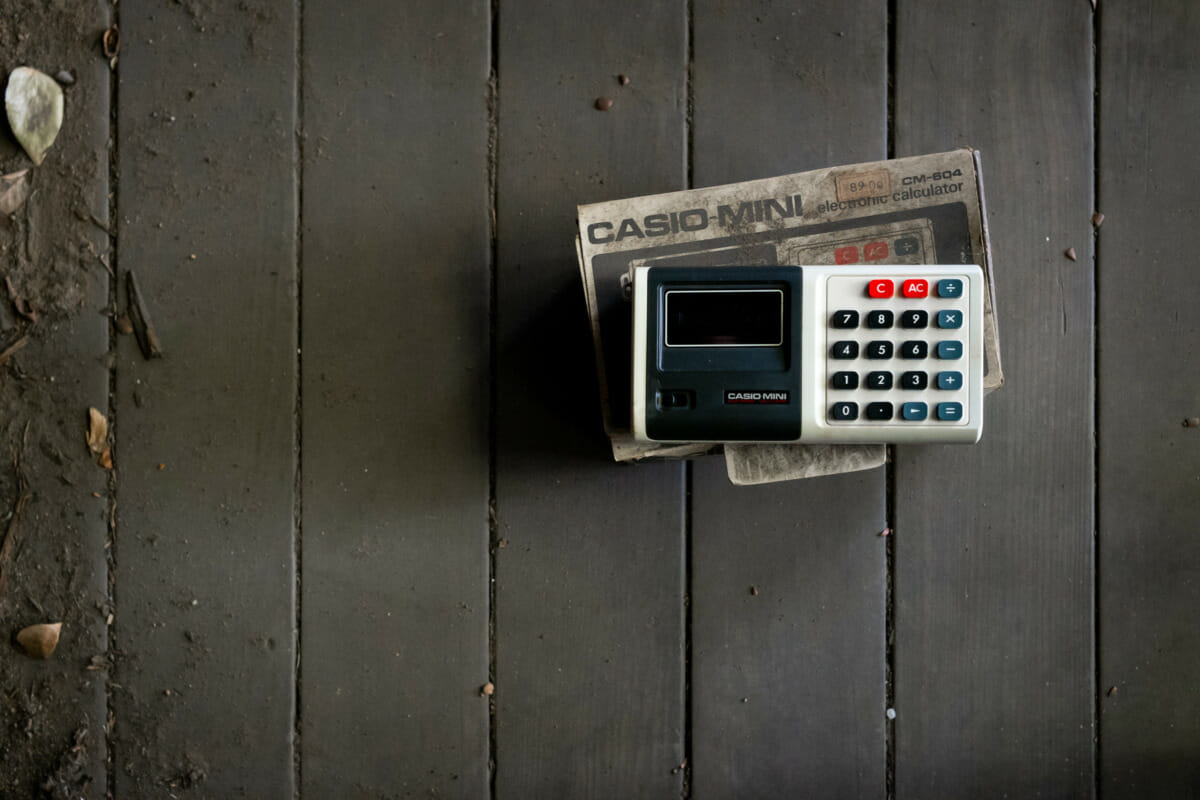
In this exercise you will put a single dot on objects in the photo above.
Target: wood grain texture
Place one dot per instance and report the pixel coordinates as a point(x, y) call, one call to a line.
point(394, 593)
point(1149, 307)
point(994, 542)
point(589, 564)
point(57, 571)
point(204, 564)
point(788, 685)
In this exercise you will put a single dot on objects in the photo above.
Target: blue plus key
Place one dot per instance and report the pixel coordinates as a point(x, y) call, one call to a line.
point(949, 287)
point(950, 319)
point(949, 350)
point(949, 412)
point(914, 412)
point(949, 380)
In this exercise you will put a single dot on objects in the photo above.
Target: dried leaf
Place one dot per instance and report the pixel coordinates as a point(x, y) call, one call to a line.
point(97, 431)
point(34, 103)
point(39, 641)
point(14, 191)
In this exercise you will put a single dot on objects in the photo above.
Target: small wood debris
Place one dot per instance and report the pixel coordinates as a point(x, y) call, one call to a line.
point(10, 535)
point(1112, 690)
point(111, 43)
point(143, 327)
point(1070, 253)
point(12, 350)
point(97, 434)
point(14, 191)
point(604, 103)
point(487, 690)
point(1097, 219)
point(39, 641)
point(886, 532)
point(503, 543)
point(754, 591)
point(623, 80)
point(19, 303)
point(72, 776)
point(123, 325)
point(1192, 422)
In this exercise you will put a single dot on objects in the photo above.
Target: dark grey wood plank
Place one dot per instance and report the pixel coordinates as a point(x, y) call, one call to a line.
point(589, 571)
point(788, 685)
point(205, 457)
point(1149, 310)
point(994, 542)
point(57, 572)
point(394, 601)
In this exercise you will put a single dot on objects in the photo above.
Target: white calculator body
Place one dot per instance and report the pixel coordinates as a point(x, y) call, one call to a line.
point(861, 353)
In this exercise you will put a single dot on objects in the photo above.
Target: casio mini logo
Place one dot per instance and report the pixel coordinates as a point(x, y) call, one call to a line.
point(769, 398)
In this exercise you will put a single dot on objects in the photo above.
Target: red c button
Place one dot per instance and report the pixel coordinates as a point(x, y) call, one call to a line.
point(880, 288)
point(918, 287)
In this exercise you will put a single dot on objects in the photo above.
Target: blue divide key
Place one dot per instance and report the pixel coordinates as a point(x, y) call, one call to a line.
point(949, 350)
point(914, 412)
point(949, 287)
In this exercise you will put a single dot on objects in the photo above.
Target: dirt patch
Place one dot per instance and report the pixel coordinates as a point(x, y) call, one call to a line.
point(53, 251)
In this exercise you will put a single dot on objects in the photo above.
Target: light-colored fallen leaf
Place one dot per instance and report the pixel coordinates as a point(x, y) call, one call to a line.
point(14, 191)
point(39, 641)
point(34, 103)
point(97, 433)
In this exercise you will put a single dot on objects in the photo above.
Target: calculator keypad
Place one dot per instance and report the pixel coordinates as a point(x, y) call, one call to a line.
point(896, 351)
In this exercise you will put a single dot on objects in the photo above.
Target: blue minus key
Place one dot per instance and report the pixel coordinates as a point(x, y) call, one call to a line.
point(949, 350)
point(914, 412)
point(949, 412)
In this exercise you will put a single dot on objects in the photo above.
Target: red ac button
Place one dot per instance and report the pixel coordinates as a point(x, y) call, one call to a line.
point(880, 289)
point(918, 287)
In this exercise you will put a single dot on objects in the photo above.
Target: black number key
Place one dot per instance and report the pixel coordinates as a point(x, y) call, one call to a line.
point(914, 350)
point(845, 380)
point(879, 350)
point(844, 411)
point(845, 319)
point(845, 349)
point(879, 380)
point(914, 318)
point(879, 319)
point(914, 380)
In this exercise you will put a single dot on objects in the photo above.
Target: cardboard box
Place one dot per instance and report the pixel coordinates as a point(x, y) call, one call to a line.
point(920, 210)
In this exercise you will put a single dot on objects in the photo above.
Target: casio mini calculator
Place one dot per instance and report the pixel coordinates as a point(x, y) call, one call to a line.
point(865, 354)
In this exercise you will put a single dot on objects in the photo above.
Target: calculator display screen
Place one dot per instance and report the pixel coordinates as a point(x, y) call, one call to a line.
point(724, 318)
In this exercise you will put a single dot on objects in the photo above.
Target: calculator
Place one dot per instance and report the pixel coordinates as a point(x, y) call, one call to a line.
point(850, 353)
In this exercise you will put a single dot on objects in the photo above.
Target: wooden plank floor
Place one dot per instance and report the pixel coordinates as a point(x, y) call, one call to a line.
point(364, 538)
